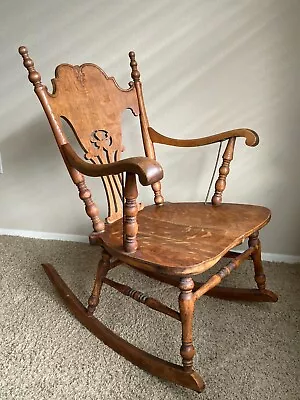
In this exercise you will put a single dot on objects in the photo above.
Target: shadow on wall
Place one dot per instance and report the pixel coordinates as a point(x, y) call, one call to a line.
point(39, 184)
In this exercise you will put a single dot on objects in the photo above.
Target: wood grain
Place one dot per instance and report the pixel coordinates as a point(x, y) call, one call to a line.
point(185, 238)
point(92, 103)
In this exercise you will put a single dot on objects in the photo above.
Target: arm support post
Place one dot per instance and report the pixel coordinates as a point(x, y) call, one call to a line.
point(223, 172)
point(130, 226)
point(251, 139)
point(148, 171)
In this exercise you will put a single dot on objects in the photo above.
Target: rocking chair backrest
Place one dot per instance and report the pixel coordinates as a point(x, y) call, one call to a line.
point(92, 104)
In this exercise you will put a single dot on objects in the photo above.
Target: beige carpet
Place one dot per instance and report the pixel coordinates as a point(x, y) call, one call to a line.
point(244, 351)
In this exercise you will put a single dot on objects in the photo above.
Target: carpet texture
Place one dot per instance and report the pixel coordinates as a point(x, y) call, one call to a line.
point(244, 350)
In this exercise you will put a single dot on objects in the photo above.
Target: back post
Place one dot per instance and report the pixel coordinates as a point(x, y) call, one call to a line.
point(79, 180)
point(147, 142)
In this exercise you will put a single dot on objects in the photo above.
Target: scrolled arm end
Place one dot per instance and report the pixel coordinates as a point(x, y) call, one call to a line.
point(252, 138)
point(149, 171)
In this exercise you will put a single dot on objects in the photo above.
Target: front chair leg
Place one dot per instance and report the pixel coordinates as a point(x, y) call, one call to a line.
point(102, 270)
point(186, 307)
point(259, 277)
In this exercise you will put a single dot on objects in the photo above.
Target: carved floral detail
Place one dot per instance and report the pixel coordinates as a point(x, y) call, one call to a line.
point(100, 140)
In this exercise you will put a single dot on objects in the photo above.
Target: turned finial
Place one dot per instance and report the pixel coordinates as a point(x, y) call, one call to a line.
point(33, 75)
point(135, 73)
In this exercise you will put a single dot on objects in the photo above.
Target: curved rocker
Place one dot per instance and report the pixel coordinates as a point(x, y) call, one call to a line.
point(241, 294)
point(149, 363)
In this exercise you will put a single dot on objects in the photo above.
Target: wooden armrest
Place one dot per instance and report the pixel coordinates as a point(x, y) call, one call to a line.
point(252, 138)
point(149, 171)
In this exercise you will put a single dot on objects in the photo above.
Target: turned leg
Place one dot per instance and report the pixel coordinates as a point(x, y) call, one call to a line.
point(186, 307)
point(102, 270)
point(259, 277)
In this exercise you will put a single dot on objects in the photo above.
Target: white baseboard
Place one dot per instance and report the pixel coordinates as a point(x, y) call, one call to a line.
point(45, 235)
point(287, 258)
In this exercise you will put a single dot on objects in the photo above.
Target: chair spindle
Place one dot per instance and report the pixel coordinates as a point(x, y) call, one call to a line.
point(223, 172)
point(130, 228)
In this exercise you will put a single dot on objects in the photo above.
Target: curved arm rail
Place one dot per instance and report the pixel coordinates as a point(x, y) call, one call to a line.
point(252, 138)
point(149, 171)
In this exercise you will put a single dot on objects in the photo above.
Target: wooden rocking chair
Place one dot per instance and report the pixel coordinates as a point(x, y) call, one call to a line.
point(170, 242)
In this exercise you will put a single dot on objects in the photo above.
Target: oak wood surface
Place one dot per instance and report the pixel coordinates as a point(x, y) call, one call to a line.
point(92, 104)
point(186, 238)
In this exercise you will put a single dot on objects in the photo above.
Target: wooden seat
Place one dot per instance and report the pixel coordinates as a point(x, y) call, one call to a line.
point(186, 238)
point(169, 242)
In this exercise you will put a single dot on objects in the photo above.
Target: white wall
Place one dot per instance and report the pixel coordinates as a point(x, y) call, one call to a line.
point(207, 66)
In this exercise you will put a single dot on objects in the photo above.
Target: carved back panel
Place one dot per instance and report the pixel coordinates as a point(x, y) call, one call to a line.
point(92, 104)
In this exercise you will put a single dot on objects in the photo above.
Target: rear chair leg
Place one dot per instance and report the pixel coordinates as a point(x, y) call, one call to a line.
point(186, 307)
point(260, 277)
point(103, 267)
